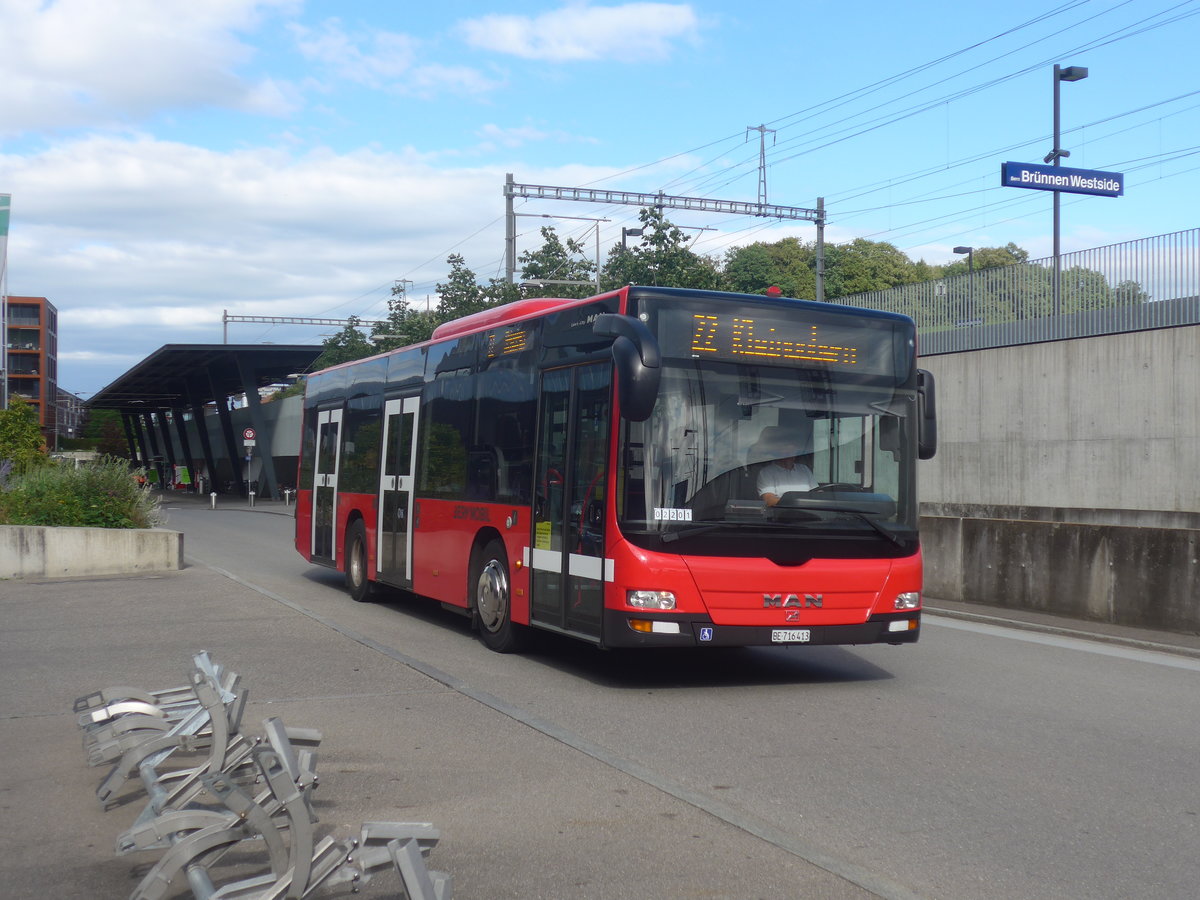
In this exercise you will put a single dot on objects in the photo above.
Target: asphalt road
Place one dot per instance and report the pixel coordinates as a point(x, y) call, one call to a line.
point(982, 762)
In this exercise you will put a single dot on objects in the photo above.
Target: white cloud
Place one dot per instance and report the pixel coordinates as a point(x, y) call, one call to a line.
point(389, 56)
point(578, 32)
point(142, 242)
point(494, 136)
point(70, 63)
point(385, 60)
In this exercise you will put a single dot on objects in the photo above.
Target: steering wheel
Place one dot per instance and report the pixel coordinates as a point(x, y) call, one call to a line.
point(838, 486)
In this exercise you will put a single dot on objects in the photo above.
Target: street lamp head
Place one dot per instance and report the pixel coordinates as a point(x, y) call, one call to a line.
point(1073, 73)
point(963, 249)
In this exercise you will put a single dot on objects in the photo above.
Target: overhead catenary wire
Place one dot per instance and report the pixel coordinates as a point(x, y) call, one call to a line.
point(717, 174)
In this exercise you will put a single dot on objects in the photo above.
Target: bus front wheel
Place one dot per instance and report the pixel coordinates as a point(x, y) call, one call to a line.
point(492, 599)
point(357, 583)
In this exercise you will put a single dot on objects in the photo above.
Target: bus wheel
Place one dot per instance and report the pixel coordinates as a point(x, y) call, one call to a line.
point(490, 594)
point(357, 583)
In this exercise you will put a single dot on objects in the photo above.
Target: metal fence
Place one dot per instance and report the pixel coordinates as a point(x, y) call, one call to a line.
point(1149, 283)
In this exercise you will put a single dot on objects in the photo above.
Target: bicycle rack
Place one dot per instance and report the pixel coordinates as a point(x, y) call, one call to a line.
point(146, 731)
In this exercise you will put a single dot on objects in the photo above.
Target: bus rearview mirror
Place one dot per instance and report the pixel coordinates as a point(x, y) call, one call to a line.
point(637, 361)
point(927, 436)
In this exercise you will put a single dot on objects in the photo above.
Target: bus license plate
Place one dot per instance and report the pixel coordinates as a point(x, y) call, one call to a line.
point(790, 635)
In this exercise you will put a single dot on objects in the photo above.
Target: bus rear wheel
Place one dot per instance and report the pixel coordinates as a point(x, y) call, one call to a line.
point(491, 597)
point(357, 583)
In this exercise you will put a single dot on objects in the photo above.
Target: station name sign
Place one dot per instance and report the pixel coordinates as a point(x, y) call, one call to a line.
point(1060, 178)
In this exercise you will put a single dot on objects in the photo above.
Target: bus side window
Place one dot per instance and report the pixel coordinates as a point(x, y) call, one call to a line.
point(481, 474)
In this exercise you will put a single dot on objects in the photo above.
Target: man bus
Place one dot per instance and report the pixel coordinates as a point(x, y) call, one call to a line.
point(592, 468)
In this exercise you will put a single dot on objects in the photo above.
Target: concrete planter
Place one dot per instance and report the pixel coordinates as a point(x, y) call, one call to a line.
point(28, 551)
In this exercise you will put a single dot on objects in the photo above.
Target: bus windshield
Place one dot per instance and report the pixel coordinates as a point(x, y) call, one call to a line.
point(738, 449)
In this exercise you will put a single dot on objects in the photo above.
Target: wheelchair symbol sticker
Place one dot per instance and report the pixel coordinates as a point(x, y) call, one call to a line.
point(706, 634)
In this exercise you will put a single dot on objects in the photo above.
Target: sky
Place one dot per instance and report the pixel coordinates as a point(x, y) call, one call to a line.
point(170, 162)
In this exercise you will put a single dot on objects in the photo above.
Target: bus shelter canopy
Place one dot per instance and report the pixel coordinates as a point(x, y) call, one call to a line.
point(178, 375)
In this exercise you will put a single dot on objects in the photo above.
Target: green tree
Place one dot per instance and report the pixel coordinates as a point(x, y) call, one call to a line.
point(864, 265)
point(556, 261)
point(404, 325)
point(787, 264)
point(662, 258)
point(21, 439)
point(1084, 289)
point(102, 431)
point(1130, 293)
point(987, 258)
point(348, 344)
point(461, 294)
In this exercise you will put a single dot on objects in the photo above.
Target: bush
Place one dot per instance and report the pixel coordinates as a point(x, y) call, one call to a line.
point(102, 494)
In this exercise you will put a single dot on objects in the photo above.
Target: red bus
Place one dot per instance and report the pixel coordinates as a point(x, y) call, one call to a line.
point(598, 468)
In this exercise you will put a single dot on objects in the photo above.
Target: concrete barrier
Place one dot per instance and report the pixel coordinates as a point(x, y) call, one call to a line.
point(1125, 575)
point(28, 551)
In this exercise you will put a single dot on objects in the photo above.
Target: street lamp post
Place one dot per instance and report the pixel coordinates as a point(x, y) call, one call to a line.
point(1070, 73)
point(629, 232)
point(970, 251)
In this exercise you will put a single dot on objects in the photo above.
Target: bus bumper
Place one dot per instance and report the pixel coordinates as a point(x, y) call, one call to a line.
point(624, 628)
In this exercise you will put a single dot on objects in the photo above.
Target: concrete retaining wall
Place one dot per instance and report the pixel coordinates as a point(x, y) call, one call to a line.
point(1106, 423)
point(29, 552)
point(1139, 576)
point(1067, 479)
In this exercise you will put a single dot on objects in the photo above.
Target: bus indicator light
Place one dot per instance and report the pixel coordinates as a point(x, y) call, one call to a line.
point(649, 626)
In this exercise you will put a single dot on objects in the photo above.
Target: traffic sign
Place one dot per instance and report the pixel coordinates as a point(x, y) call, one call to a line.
point(248, 434)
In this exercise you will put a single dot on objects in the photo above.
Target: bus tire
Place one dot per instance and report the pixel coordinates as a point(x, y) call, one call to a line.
point(491, 597)
point(358, 585)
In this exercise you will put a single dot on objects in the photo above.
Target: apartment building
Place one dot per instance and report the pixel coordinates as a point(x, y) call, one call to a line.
point(31, 336)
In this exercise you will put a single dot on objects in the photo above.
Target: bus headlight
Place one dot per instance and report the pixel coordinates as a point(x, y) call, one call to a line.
point(908, 600)
point(651, 599)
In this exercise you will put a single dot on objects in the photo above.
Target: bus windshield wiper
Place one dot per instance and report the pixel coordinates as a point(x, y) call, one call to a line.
point(874, 523)
point(672, 536)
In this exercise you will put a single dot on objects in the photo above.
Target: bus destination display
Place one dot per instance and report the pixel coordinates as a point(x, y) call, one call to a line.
point(748, 337)
point(749, 334)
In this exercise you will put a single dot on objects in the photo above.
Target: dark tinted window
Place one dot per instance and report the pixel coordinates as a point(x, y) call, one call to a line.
point(501, 460)
point(448, 415)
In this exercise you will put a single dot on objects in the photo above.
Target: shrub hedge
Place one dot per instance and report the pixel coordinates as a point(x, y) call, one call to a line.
point(100, 494)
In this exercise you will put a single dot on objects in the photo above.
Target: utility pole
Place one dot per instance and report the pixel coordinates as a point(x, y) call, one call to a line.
point(763, 131)
point(510, 231)
point(820, 220)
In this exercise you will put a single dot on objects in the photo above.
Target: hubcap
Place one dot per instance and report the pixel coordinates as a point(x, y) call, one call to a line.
point(491, 595)
point(356, 562)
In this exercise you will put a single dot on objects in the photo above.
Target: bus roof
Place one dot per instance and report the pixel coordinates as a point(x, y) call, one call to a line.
point(509, 312)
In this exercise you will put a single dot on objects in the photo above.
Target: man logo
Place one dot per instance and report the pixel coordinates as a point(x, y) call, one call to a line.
point(793, 601)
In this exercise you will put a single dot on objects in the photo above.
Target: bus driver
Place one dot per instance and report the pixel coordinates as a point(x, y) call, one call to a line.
point(787, 472)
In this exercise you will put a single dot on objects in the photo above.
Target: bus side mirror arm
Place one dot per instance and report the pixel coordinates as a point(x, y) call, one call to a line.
point(927, 436)
point(638, 363)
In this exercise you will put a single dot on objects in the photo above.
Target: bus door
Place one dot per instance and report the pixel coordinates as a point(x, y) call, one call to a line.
point(324, 520)
point(394, 532)
point(567, 560)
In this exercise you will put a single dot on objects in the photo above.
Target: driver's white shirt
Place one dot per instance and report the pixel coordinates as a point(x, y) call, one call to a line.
point(775, 479)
